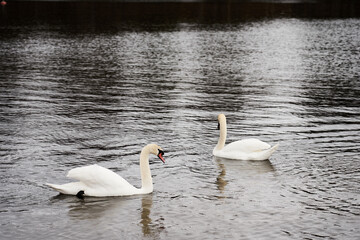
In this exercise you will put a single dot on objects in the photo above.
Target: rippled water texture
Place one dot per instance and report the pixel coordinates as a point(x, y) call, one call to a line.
point(72, 98)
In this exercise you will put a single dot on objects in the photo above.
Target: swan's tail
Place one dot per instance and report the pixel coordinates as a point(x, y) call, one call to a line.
point(68, 188)
point(64, 188)
point(55, 187)
point(271, 150)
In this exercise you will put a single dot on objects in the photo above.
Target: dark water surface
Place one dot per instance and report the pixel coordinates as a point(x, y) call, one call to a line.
point(73, 96)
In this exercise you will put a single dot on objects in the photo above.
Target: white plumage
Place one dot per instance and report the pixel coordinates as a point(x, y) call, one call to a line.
point(246, 149)
point(98, 181)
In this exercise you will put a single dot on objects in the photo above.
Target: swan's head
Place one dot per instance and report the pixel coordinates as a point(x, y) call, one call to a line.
point(221, 120)
point(157, 150)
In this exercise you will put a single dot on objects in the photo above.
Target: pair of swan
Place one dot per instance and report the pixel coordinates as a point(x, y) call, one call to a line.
point(98, 181)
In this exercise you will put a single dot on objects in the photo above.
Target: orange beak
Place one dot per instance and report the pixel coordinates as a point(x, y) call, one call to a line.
point(160, 155)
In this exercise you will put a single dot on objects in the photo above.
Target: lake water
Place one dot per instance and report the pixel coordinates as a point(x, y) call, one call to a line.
point(72, 96)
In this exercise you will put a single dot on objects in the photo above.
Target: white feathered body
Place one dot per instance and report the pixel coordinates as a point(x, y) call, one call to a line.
point(96, 181)
point(246, 149)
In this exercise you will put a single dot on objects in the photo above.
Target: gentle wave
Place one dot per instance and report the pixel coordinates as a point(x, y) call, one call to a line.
point(72, 99)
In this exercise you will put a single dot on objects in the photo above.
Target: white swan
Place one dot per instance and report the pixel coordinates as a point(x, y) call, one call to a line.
point(246, 149)
point(98, 181)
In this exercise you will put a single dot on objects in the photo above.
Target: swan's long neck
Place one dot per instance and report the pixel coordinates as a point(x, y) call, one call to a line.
point(146, 179)
point(221, 142)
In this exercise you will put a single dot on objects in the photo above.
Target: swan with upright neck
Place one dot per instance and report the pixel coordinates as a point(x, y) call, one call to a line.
point(98, 181)
point(246, 149)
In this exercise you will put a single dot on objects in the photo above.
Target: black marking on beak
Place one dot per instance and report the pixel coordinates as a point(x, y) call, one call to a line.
point(218, 128)
point(161, 155)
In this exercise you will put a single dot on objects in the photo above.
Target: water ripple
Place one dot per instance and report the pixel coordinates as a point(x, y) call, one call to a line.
point(69, 99)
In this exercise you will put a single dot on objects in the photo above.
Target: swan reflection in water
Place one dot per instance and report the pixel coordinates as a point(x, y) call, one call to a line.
point(150, 228)
point(146, 204)
point(241, 169)
point(91, 208)
point(220, 180)
point(119, 210)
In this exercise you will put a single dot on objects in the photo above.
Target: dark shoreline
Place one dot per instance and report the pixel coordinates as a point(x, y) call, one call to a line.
point(84, 12)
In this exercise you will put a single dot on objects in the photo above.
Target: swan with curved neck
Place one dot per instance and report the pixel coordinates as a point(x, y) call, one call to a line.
point(246, 149)
point(98, 181)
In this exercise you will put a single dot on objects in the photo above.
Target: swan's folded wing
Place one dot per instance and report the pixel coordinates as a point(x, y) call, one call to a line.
point(95, 175)
point(247, 146)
